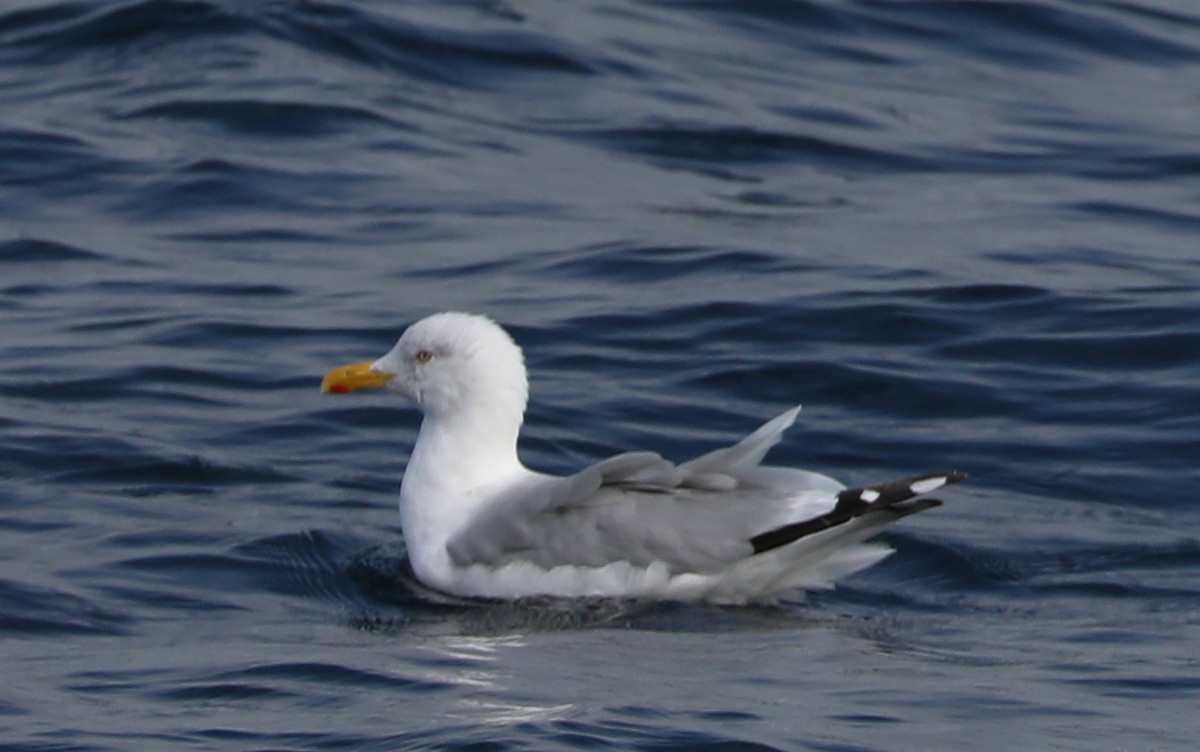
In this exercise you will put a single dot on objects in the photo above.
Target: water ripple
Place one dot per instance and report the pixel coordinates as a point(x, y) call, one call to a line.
point(36, 612)
point(959, 233)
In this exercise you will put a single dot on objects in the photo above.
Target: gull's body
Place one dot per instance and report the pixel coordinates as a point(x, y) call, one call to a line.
point(722, 528)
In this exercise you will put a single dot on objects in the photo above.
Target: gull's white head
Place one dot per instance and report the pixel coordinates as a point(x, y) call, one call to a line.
point(448, 364)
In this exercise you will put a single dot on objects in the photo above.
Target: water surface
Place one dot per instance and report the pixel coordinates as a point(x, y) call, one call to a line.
point(963, 234)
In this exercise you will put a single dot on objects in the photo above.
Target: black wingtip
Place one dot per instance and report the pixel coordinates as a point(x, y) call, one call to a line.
point(897, 497)
point(886, 494)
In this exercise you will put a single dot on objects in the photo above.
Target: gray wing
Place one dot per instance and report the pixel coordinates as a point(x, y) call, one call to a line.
point(699, 516)
point(637, 507)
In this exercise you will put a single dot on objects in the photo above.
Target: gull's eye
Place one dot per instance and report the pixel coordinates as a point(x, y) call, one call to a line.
point(423, 356)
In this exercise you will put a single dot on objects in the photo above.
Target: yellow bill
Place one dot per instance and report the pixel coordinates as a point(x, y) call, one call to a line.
point(352, 377)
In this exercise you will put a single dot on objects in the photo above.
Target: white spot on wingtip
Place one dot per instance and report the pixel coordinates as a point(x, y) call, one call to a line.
point(928, 484)
point(869, 495)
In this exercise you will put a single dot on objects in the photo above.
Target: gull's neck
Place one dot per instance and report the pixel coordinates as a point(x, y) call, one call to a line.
point(460, 458)
point(463, 451)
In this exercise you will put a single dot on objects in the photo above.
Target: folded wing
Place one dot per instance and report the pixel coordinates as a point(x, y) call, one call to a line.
point(700, 516)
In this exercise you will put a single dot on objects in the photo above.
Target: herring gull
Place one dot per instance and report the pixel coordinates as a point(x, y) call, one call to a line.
point(721, 528)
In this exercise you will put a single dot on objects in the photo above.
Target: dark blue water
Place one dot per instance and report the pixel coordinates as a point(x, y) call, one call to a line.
point(963, 234)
